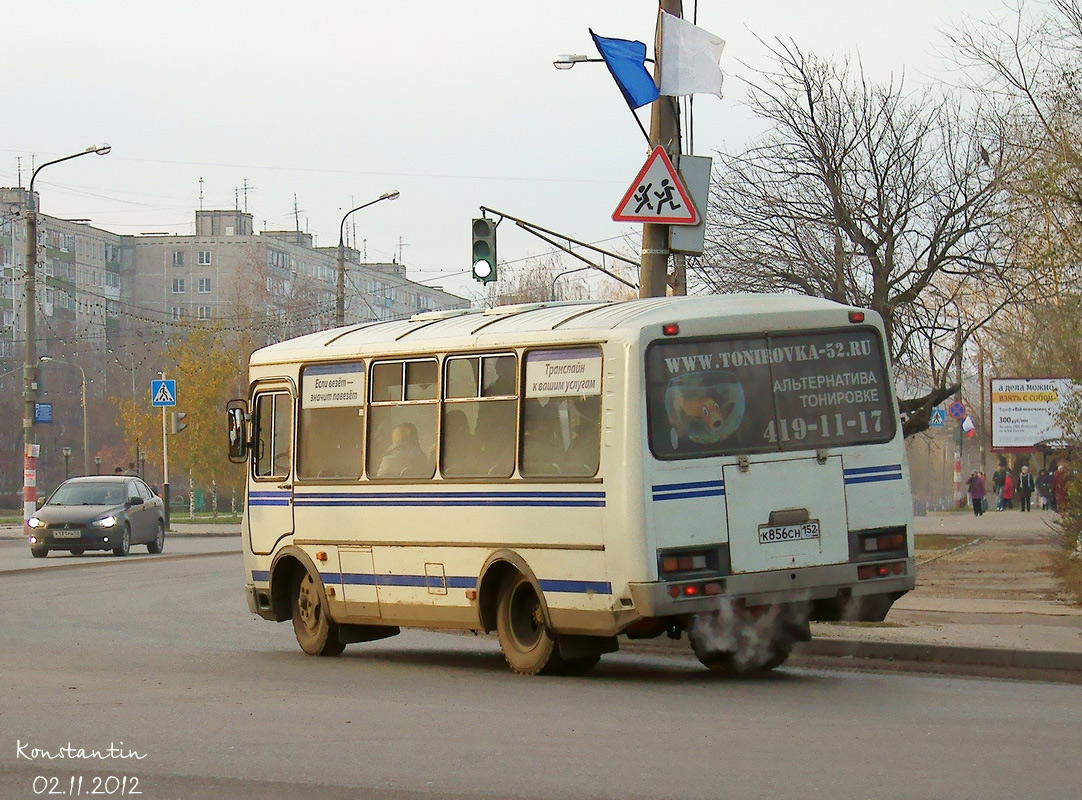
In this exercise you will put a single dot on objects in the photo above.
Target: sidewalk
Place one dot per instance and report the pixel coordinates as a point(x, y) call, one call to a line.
point(988, 598)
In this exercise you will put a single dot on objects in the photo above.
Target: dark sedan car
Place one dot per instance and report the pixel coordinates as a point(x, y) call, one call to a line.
point(99, 513)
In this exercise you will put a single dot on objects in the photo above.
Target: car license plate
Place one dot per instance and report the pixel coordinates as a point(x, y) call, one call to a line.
point(67, 534)
point(768, 534)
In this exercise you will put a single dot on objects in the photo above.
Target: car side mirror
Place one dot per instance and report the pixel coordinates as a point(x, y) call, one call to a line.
point(41, 501)
point(135, 501)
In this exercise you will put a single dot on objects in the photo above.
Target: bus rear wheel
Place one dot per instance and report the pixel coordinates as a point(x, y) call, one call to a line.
point(529, 647)
point(737, 643)
point(316, 632)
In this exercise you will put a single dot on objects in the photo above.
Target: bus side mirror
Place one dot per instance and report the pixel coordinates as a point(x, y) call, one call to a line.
point(237, 413)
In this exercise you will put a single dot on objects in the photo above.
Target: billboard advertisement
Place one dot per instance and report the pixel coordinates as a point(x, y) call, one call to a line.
point(1024, 411)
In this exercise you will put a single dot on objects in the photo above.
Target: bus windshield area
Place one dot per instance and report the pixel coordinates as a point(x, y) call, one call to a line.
point(769, 392)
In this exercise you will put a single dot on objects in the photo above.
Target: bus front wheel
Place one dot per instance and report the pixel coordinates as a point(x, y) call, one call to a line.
point(316, 632)
point(529, 647)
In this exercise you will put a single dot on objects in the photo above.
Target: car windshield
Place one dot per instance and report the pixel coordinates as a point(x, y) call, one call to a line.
point(88, 494)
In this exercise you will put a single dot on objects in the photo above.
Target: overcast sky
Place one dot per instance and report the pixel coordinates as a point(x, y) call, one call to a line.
point(454, 104)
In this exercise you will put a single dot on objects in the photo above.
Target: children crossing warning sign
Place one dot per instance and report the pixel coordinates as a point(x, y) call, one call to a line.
point(657, 195)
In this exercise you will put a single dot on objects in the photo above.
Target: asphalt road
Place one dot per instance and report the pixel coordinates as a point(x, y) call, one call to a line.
point(160, 657)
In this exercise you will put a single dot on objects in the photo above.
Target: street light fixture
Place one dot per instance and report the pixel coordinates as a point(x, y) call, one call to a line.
point(67, 459)
point(30, 364)
point(97, 465)
point(340, 294)
point(86, 438)
point(568, 60)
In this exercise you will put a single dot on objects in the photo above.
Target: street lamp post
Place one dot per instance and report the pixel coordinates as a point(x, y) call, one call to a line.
point(97, 465)
point(340, 294)
point(67, 461)
point(30, 364)
point(86, 438)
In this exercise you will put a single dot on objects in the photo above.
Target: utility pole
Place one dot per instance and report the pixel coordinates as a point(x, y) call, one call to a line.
point(959, 494)
point(664, 131)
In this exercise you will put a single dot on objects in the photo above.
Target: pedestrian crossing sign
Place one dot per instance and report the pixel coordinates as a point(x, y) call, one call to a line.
point(163, 393)
point(938, 419)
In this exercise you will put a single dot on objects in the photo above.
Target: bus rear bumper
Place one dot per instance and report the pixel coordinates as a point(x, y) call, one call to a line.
point(829, 590)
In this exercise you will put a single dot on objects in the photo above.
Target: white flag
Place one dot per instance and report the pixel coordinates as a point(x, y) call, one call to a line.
point(690, 58)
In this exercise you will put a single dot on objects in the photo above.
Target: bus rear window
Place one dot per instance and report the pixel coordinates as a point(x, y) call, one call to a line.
point(771, 392)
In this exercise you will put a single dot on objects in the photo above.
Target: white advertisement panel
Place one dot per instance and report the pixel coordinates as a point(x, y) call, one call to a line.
point(563, 373)
point(332, 386)
point(1024, 411)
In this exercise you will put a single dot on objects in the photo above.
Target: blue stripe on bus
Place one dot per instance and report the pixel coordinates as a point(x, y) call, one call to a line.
point(269, 498)
point(867, 470)
point(680, 491)
point(452, 582)
point(889, 472)
point(451, 499)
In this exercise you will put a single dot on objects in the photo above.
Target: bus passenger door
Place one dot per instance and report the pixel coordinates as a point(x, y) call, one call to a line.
point(270, 486)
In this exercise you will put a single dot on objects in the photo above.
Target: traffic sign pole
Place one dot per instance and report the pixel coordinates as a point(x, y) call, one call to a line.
point(165, 446)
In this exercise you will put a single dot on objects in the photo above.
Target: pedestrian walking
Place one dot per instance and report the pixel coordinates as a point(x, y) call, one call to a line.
point(1026, 487)
point(1059, 488)
point(1008, 491)
point(1044, 490)
point(976, 492)
point(997, 484)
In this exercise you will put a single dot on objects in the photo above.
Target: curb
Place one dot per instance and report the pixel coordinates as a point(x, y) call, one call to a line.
point(942, 654)
point(908, 652)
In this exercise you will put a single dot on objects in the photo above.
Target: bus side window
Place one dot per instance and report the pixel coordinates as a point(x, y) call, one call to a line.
point(480, 401)
point(331, 436)
point(561, 413)
point(274, 435)
point(402, 420)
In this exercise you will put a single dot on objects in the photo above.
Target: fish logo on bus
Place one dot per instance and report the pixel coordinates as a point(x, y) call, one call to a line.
point(704, 407)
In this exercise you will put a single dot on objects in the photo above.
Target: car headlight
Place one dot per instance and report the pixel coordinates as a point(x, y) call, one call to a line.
point(34, 522)
point(104, 522)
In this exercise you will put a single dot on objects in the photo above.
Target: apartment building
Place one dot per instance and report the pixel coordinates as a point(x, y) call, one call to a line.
point(108, 303)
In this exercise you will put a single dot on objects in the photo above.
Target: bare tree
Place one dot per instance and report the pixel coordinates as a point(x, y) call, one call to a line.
point(1029, 68)
point(866, 195)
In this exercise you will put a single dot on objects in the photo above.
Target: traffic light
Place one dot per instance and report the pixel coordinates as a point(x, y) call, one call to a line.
point(484, 250)
point(176, 421)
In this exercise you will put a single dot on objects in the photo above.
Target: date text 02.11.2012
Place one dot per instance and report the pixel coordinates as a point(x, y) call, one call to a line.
point(86, 786)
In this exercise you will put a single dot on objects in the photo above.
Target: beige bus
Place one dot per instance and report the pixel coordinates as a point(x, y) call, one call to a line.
point(723, 468)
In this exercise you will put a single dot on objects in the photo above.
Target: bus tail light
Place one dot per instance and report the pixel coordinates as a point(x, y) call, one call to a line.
point(710, 589)
point(670, 329)
point(890, 541)
point(856, 316)
point(869, 571)
point(688, 563)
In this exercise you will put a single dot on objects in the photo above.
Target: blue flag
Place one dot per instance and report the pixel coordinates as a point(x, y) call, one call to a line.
point(625, 61)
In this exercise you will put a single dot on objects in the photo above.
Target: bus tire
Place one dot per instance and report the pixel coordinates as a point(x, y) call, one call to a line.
point(316, 632)
point(529, 647)
point(758, 649)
